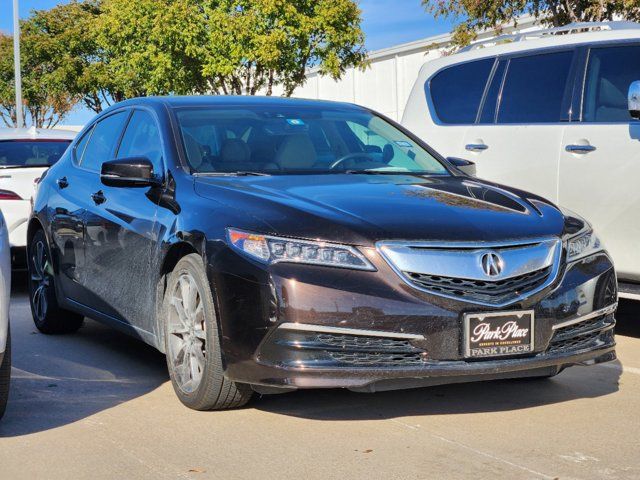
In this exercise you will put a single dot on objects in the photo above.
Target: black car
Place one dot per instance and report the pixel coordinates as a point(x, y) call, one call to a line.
point(269, 244)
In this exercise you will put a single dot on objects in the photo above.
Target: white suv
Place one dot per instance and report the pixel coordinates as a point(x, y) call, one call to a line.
point(24, 155)
point(551, 112)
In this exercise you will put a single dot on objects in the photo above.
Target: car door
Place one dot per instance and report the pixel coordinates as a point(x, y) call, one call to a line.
point(516, 140)
point(67, 200)
point(600, 159)
point(122, 233)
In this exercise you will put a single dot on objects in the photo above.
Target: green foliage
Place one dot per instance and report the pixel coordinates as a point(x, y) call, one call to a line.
point(259, 44)
point(477, 15)
point(44, 103)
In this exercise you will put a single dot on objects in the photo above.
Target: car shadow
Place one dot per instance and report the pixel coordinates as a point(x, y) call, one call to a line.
point(479, 397)
point(60, 379)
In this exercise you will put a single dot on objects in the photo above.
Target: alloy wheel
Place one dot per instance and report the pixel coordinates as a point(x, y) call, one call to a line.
point(40, 279)
point(187, 342)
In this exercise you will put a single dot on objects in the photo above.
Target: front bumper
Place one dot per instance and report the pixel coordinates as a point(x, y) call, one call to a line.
point(16, 214)
point(296, 326)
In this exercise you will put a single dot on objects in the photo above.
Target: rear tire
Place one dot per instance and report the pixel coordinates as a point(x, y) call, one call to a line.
point(47, 314)
point(192, 341)
point(5, 376)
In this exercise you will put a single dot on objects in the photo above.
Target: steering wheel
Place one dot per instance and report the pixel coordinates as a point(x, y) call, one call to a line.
point(362, 155)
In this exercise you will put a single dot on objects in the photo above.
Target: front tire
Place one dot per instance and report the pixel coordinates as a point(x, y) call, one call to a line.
point(192, 341)
point(5, 376)
point(47, 314)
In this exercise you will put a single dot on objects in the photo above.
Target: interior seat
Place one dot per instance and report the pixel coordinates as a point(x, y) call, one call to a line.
point(296, 152)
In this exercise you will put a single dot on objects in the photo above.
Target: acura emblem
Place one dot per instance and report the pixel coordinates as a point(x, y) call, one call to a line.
point(492, 264)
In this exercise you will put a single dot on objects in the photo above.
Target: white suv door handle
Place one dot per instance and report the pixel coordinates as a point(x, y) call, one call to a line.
point(580, 149)
point(476, 147)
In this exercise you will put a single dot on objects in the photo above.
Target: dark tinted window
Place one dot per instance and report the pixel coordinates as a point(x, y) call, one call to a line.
point(101, 145)
point(81, 145)
point(29, 153)
point(534, 88)
point(488, 114)
point(609, 74)
point(142, 139)
point(292, 139)
point(457, 91)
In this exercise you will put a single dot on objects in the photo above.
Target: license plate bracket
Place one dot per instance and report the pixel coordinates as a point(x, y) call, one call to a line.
point(498, 334)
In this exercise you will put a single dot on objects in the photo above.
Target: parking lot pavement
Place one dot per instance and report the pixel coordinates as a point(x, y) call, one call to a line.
point(98, 404)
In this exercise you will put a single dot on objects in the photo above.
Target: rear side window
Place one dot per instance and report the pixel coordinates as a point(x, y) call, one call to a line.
point(610, 71)
point(142, 139)
point(457, 91)
point(534, 88)
point(102, 142)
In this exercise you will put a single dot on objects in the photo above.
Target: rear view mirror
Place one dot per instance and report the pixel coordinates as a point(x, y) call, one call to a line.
point(634, 100)
point(129, 172)
point(465, 166)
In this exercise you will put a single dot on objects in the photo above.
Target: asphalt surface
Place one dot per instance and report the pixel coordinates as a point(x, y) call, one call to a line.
point(98, 404)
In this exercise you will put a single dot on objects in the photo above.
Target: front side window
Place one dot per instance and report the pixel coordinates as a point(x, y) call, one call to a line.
point(457, 91)
point(284, 140)
point(31, 153)
point(102, 142)
point(142, 139)
point(534, 88)
point(610, 72)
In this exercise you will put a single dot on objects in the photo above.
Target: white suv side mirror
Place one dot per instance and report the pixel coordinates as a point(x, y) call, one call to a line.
point(634, 99)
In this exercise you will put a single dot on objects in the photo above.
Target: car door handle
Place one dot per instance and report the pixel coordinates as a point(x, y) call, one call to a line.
point(580, 149)
point(62, 182)
point(98, 197)
point(476, 147)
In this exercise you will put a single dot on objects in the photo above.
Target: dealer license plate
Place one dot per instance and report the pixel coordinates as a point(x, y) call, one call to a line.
point(498, 334)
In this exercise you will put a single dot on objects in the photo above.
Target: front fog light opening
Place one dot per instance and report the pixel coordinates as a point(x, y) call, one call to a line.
point(269, 249)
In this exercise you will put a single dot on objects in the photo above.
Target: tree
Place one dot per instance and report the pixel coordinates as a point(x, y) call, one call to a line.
point(65, 39)
point(226, 46)
point(258, 44)
point(45, 104)
point(492, 14)
point(152, 47)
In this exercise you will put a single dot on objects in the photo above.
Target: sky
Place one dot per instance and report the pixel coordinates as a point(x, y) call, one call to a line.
point(386, 23)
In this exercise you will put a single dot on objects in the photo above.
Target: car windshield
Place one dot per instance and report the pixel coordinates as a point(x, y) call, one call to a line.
point(295, 140)
point(31, 153)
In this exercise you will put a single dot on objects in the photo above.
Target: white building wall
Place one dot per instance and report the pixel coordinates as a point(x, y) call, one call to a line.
point(386, 84)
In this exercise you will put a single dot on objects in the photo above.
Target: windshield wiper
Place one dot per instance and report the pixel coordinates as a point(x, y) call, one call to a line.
point(232, 174)
point(374, 171)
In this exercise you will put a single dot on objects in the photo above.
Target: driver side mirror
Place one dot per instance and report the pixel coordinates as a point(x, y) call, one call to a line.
point(465, 166)
point(129, 172)
point(634, 100)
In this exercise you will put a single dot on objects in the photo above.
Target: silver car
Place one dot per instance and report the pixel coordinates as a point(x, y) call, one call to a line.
point(5, 335)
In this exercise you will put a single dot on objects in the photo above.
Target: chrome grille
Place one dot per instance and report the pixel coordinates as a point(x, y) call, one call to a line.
point(458, 270)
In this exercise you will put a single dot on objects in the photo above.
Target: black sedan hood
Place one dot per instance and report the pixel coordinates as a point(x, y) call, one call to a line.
point(362, 209)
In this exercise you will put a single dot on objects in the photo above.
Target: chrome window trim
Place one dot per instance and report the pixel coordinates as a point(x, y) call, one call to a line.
point(306, 327)
point(553, 275)
point(596, 313)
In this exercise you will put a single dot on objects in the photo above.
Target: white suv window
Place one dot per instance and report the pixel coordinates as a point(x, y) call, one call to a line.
point(610, 71)
point(534, 88)
point(457, 91)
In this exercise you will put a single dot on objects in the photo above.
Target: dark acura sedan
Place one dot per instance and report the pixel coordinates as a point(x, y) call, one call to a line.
point(267, 244)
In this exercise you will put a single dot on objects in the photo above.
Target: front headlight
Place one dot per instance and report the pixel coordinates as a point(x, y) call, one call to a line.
point(270, 250)
point(583, 245)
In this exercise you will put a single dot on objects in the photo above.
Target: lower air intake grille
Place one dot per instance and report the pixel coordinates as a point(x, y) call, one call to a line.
point(363, 359)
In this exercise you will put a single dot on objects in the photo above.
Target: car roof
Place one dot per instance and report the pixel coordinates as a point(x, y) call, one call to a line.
point(178, 101)
point(540, 43)
point(36, 134)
